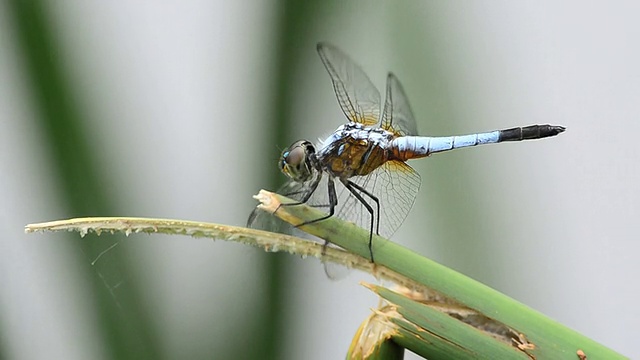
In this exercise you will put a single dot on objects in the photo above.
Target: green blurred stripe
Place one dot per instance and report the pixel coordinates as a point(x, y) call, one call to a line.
point(292, 38)
point(124, 324)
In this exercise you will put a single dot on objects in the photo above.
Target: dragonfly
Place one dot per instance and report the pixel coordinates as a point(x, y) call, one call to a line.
point(360, 172)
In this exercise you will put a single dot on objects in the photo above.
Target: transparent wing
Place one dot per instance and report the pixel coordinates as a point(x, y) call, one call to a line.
point(263, 220)
point(397, 116)
point(357, 96)
point(396, 186)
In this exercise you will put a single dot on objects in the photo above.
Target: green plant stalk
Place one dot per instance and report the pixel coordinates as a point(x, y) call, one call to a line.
point(436, 335)
point(548, 339)
point(551, 339)
point(269, 241)
point(374, 340)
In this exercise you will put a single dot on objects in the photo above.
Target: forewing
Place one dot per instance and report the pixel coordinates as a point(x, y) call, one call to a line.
point(396, 186)
point(397, 116)
point(357, 96)
point(260, 219)
point(263, 220)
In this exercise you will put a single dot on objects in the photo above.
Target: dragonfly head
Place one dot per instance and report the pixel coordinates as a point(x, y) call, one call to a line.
point(296, 160)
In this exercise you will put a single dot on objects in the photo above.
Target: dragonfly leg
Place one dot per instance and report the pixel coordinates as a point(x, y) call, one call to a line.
point(333, 201)
point(354, 188)
point(375, 199)
point(305, 197)
point(307, 193)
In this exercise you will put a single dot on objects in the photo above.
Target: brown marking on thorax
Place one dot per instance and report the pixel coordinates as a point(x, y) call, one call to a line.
point(351, 161)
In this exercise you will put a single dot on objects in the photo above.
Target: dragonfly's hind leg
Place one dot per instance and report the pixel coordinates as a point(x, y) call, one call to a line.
point(354, 188)
point(375, 199)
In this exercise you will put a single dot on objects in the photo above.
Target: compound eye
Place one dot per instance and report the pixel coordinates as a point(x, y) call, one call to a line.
point(294, 157)
point(293, 161)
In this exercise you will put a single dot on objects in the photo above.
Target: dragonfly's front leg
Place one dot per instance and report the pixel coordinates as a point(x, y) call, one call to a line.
point(333, 202)
point(307, 192)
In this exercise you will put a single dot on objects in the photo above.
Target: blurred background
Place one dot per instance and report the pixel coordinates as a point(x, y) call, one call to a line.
point(180, 111)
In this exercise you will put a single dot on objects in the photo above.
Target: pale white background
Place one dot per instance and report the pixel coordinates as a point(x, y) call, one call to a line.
point(176, 93)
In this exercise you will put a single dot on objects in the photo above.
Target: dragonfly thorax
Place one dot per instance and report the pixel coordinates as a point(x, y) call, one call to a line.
point(298, 161)
point(354, 150)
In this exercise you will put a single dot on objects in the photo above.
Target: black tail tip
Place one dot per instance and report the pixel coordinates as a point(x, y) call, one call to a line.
point(550, 130)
